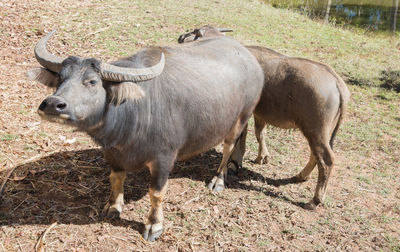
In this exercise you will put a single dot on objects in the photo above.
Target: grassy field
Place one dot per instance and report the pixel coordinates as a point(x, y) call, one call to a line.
point(63, 181)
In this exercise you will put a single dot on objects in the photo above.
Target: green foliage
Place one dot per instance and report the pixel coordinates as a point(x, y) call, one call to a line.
point(390, 79)
point(383, 3)
point(358, 81)
point(369, 15)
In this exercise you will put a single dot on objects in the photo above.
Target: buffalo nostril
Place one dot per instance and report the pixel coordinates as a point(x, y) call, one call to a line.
point(53, 105)
point(43, 105)
point(61, 106)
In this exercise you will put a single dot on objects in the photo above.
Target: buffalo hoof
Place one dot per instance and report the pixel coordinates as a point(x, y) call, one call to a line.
point(233, 168)
point(152, 232)
point(298, 179)
point(261, 160)
point(111, 212)
point(218, 188)
point(216, 184)
point(310, 206)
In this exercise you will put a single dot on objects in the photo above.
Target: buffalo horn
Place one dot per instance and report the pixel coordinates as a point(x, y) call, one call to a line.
point(121, 74)
point(224, 30)
point(108, 71)
point(46, 59)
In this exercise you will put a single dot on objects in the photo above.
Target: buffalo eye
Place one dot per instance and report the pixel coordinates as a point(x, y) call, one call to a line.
point(92, 82)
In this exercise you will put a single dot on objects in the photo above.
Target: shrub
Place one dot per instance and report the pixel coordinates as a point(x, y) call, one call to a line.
point(390, 79)
point(357, 80)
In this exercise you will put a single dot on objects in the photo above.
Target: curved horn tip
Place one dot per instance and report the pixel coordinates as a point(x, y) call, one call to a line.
point(122, 74)
point(224, 30)
point(48, 35)
point(46, 59)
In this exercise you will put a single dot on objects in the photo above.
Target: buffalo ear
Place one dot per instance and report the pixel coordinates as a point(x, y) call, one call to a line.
point(44, 76)
point(123, 91)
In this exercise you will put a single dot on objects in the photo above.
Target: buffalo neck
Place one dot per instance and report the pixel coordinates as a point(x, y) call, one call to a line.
point(122, 124)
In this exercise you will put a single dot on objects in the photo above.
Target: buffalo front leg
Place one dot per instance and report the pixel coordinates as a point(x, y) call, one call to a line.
point(113, 208)
point(263, 154)
point(159, 169)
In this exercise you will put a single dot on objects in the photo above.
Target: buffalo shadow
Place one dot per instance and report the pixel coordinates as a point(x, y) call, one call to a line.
point(71, 187)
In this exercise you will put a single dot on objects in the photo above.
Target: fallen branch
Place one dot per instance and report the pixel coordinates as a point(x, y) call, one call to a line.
point(192, 199)
point(5, 179)
point(39, 247)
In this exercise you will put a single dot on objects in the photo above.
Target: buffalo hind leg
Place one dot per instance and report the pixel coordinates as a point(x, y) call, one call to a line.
point(263, 154)
point(159, 170)
point(113, 208)
point(304, 175)
point(325, 158)
point(218, 182)
point(236, 159)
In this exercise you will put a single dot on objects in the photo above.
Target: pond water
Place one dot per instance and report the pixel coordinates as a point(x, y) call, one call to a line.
point(373, 15)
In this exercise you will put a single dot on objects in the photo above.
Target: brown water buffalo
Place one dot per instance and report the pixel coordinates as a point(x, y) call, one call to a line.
point(160, 105)
point(298, 93)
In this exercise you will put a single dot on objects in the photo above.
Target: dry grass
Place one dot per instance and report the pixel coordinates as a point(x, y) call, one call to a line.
point(58, 181)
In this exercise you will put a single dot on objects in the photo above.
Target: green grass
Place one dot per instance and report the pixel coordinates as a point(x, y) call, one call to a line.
point(364, 179)
point(130, 25)
point(31, 147)
point(9, 137)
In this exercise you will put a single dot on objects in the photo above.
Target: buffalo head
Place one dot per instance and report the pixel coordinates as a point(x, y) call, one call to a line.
point(205, 31)
point(82, 84)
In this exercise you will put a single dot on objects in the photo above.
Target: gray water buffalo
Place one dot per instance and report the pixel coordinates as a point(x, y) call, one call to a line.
point(160, 105)
point(298, 93)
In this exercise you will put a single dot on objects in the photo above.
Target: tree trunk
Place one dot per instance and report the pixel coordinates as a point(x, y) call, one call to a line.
point(395, 10)
point(328, 9)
